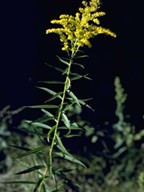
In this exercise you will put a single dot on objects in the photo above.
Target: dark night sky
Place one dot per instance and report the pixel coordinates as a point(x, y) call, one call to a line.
point(25, 48)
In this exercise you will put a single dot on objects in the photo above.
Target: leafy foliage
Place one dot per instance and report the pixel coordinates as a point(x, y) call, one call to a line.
point(7, 137)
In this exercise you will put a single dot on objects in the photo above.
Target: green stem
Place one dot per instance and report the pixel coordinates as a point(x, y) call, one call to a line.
point(57, 122)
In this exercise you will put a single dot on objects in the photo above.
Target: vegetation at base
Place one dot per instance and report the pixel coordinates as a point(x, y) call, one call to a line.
point(115, 169)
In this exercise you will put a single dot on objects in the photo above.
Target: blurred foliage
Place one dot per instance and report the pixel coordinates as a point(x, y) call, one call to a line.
point(5, 121)
point(8, 137)
point(141, 181)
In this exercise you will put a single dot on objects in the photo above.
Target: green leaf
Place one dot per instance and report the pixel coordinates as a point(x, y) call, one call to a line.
point(37, 132)
point(43, 106)
point(72, 128)
point(33, 151)
point(78, 64)
point(51, 82)
point(21, 148)
point(72, 135)
point(34, 132)
point(18, 110)
point(47, 113)
point(42, 125)
point(63, 60)
point(139, 135)
point(76, 77)
point(69, 158)
point(94, 139)
point(38, 184)
point(61, 146)
point(74, 74)
point(81, 56)
point(30, 169)
point(73, 96)
point(55, 96)
point(65, 71)
point(51, 92)
point(82, 102)
point(86, 77)
point(74, 125)
point(119, 152)
point(68, 106)
point(66, 120)
point(19, 182)
point(56, 68)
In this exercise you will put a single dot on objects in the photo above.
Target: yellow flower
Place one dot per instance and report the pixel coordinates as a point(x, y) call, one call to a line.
point(77, 30)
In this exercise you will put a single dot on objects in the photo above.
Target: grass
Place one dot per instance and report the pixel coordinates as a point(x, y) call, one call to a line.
point(91, 179)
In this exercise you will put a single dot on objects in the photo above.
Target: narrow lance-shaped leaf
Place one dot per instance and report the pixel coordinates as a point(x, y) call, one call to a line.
point(20, 148)
point(68, 106)
point(71, 128)
point(77, 76)
point(38, 124)
point(32, 151)
point(56, 68)
point(69, 158)
point(63, 60)
point(66, 121)
point(72, 135)
point(78, 64)
point(54, 97)
point(51, 92)
point(75, 126)
point(61, 146)
point(18, 110)
point(43, 106)
point(38, 133)
point(65, 71)
point(38, 184)
point(30, 169)
point(73, 96)
point(119, 152)
point(85, 104)
point(81, 56)
point(87, 77)
point(19, 182)
point(47, 113)
point(52, 82)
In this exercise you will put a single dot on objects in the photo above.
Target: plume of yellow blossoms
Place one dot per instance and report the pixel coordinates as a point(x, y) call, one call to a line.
point(77, 30)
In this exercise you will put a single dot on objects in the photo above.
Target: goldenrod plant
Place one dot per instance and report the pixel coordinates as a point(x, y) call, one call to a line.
point(55, 123)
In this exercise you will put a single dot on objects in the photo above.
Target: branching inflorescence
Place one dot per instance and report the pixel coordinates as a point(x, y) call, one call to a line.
point(77, 30)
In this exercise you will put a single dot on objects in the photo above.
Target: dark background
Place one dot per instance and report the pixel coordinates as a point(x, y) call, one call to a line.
point(25, 48)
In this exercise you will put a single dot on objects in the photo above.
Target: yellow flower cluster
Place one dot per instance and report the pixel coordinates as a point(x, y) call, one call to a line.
point(77, 30)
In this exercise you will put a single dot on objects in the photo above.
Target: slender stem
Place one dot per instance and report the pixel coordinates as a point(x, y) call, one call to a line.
point(58, 120)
